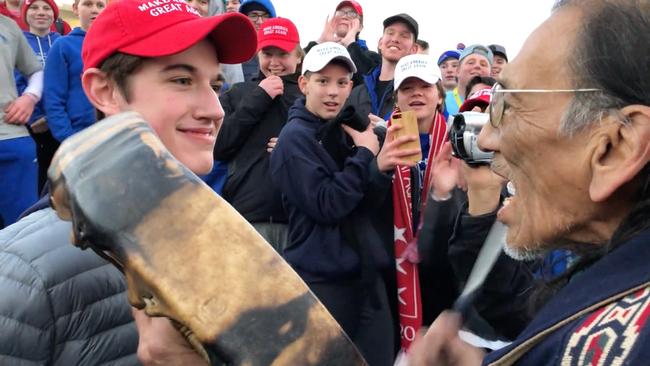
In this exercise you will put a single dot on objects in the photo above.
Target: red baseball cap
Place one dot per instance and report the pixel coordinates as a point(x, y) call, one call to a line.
point(480, 98)
point(158, 28)
point(353, 4)
point(51, 3)
point(278, 32)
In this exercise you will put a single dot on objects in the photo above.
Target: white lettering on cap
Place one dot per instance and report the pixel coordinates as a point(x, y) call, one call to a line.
point(276, 29)
point(159, 7)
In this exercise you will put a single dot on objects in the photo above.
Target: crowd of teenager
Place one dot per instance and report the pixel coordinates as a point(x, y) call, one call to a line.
point(384, 226)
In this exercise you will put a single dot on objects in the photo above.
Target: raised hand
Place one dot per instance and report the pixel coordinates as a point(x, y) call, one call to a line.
point(272, 85)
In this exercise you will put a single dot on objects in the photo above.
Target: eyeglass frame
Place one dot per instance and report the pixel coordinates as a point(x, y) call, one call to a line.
point(255, 17)
point(349, 13)
point(497, 88)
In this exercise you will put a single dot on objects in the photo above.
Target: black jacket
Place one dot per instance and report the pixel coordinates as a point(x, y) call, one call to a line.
point(252, 118)
point(60, 305)
point(365, 99)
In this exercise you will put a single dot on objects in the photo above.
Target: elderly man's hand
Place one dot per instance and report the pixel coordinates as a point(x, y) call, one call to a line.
point(444, 174)
point(19, 111)
point(441, 346)
point(483, 189)
point(161, 344)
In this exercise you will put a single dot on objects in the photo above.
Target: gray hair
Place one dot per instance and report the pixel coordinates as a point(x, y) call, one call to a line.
point(612, 54)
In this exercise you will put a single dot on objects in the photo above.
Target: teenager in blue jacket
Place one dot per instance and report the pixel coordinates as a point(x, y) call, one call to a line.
point(67, 107)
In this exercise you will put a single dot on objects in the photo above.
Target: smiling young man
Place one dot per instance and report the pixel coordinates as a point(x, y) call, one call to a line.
point(69, 307)
point(376, 94)
point(256, 112)
point(475, 60)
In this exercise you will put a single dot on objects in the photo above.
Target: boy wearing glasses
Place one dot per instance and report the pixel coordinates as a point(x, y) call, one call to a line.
point(344, 28)
point(258, 11)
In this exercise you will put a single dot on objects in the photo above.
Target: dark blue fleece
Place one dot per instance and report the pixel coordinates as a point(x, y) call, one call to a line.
point(318, 197)
point(67, 108)
point(41, 47)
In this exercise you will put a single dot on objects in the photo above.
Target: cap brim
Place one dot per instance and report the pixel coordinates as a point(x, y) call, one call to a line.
point(218, 29)
point(430, 79)
point(319, 67)
point(286, 46)
point(470, 104)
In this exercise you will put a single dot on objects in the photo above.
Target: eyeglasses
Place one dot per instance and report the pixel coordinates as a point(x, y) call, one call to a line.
point(497, 101)
point(346, 13)
point(254, 17)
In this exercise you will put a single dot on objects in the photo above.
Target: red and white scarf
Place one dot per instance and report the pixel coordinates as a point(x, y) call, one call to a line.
point(408, 284)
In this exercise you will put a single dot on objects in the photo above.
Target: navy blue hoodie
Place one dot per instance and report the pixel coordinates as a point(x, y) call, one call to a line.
point(318, 197)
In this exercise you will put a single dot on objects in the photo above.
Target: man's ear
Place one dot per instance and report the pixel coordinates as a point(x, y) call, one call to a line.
point(622, 149)
point(101, 91)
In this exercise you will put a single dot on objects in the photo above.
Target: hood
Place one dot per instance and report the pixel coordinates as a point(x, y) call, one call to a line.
point(298, 110)
point(33, 37)
point(77, 31)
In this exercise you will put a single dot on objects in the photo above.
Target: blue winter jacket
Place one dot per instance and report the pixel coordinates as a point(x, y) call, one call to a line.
point(67, 108)
point(41, 47)
point(318, 196)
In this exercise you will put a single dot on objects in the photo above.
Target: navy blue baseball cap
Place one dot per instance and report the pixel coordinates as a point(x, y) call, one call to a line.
point(447, 55)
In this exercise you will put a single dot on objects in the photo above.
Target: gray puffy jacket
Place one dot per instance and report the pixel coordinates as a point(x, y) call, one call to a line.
point(60, 305)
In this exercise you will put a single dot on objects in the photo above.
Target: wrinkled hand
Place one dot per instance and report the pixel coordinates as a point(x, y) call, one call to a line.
point(483, 189)
point(367, 138)
point(271, 144)
point(441, 346)
point(18, 111)
point(445, 172)
point(272, 85)
point(393, 152)
point(329, 31)
point(161, 344)
point(351, 36)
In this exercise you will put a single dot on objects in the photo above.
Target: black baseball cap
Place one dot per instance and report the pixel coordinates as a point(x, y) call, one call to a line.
point(498, 50)
point(403, 18)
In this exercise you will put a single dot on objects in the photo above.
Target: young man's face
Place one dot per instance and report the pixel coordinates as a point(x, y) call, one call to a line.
point(40, 16)
point(199, 5)
point(258, 17)
point(419, 96)
point(472, 65)
point(87, 11)
point(398, 41)
point(326, 90)
point(497, 65)
point(275, 61)
point(449, 71)
point(343, 20)
point(232, 6)
point(175, 95)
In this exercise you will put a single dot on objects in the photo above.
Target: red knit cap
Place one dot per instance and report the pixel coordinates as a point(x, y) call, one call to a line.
point(51, 3)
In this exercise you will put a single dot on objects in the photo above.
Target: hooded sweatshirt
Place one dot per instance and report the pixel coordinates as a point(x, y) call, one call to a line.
point(67, 108)
point(318, 197)
point(41, 47)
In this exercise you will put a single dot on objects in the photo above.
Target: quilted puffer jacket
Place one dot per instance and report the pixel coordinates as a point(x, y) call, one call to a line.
point(60, 305)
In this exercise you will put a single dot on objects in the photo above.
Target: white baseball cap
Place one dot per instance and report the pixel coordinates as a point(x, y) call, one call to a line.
point(418, 66)
point(321, 55)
